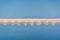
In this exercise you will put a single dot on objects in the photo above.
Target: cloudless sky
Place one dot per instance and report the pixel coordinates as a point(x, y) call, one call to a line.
point(23, 8)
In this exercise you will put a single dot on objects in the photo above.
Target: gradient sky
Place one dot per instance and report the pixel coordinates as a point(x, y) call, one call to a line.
point(23, 8)
point(31, 8)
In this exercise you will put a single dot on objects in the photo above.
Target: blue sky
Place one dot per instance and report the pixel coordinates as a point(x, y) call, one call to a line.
point(31, 8)
point(23, 8)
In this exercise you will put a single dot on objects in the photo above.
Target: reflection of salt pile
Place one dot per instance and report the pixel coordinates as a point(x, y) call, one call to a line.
point(29, 21)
